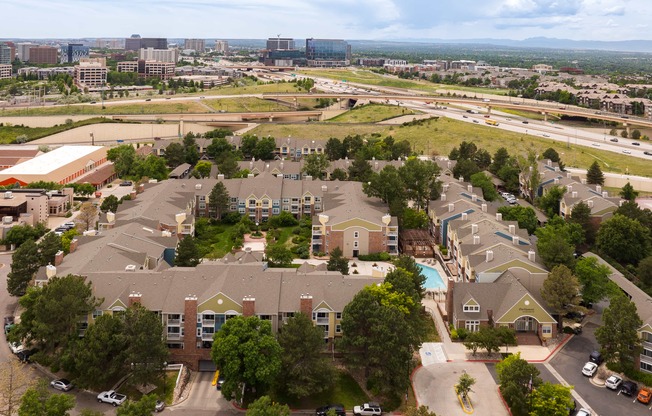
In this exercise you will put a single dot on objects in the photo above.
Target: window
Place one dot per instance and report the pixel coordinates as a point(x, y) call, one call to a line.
point(471, 308)
point(546, 329)
point(266, 317)
point(355, 244)
point(338, 315)
point(472, 326)
point(97, 314)
point(646, 367)
point(646, 352)
point(338, 329)
point(356, 234)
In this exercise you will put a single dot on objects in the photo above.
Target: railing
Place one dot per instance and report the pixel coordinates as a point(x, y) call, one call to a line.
point(207, 336)
point(174, 335)
point(174, 321)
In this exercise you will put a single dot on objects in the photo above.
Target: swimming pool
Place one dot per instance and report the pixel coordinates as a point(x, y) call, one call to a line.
point(433, 279)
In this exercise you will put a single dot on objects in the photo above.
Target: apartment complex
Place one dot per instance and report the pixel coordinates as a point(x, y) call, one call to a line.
point(327, 52)
point(148, 69)
point(73, 52)
point(222, 46)
point(5, 71)
point(160, 55)
point(42, 55)
point(198, 45)
point(135, 43)
point(22, 50)
point(7, 53)
point(91, 73)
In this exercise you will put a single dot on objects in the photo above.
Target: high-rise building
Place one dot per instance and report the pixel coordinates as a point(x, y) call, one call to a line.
point(327, 52)
point(197, 45)
point(22, 50)
point(43, 55)
point(91, 72)
point(73, 52)
point(148, 69)
point(160, 55)
point(222, 46)
point(7, 52)
point(5, 71)
point(282, 44)
point(109, 43)
point(135, 43)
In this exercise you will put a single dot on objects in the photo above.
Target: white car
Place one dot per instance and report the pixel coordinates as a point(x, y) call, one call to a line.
point(16, 347)
point(613, 382)
point(596, 144)
point(367, 409)
point(629, 152)
point(61, 384)
point(589, 369)
point(583, 412)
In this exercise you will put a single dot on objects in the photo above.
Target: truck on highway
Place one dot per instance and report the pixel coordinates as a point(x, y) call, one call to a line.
point(491, 122)
point(111, 397)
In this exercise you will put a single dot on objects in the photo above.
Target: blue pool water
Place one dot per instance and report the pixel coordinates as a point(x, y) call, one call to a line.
point(433, 279)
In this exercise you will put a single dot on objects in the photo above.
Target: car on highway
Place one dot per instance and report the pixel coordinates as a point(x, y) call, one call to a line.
point(465, 116)
point(338, 410)
point(613, 139)
point(647, 153)
point(367, 409)
point(545, 135)
point(148, 99)
point(613, 382)
point(525, 122)
point(636, 144)
point(596, 145)
point(61, 384)
point(627, 152)
point(475, 121)
point(628, 388)
point(589, 369)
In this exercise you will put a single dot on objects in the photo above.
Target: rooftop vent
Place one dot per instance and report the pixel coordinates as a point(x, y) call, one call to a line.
point(130, 268)
point(9, 195)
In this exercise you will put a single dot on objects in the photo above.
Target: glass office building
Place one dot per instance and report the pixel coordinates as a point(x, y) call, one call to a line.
point(73, 52)
point(327, 52)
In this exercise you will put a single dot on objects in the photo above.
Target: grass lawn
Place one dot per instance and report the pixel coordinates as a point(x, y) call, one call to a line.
point(214, 240)
point(533, 115)
point(166, 391)
point(9, 133)
point(245, 104)
point(372, 113)
point(438, 137)
point(432, 334)
point(117, 109)
point(345, 391)
point(281, 87)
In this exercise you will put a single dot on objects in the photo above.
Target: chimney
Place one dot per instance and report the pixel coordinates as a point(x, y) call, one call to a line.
point(135, 298)
point(605, 194)
point(248, 306)
point(469, 188)
point(73, 245)
point(574, 194)
point(531, 255)
point(490, 316)
point(50, 271)
point(476, 240)
point(141, 188)
point(568, 175)
point(549, 162)
point(512, 229)
point(324, 188)
point(190, 324)
point(445, 187)
point(461, 179)
point(515, 240)
point(474, 197)
point(220, 176)
point(598, 189)
point(465, 216)
point(250, 175)
point(583, 180)
point(451, 207)
point(281, 165)
point(556, 181)
point(499, 216)
point(569, 188)
point(58, 258)
point(133, 194)
point(110, 217)
point(489, 255)
point(590, 203)
point(484, 207)
point(443, 197)
point(474, 228)
point(306, 305)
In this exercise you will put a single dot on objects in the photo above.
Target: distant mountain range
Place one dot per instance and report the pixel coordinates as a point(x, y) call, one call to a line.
point(552, 43)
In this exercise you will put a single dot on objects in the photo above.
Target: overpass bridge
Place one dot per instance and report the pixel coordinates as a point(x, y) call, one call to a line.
point(225, 117)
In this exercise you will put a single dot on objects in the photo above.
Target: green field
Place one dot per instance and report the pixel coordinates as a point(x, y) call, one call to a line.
point(116, 109)
point(438, 137)
point(244, 104)
point(8, 134)
point(281, 87)
point(372, 113)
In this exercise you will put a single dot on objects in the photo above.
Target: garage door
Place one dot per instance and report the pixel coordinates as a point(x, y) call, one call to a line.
point(207, 365)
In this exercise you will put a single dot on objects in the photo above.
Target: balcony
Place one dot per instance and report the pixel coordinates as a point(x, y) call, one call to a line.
point(174, 336)
point(175, 322)
point(322, 321)
point(208, 322)
point(207, 336)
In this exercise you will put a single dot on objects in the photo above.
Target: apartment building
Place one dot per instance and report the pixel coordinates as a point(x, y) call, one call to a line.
point(159, 55)
point(148, 69)
point(222, 46)
point(7, 53)
point(5, 71)
point(91, 73)
point(42, 55)
point(135, 43)
point(197, 45)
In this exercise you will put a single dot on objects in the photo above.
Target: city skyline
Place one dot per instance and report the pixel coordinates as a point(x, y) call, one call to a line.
point(606, 20)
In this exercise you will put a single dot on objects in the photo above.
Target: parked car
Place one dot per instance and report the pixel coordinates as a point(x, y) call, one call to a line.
point(24, 355)
point(644, 395)
point(9, 323)
point(220, 381)
point(596, 357)
point(629, 388)
point(337, 408)
point(589, 369)
point(613, 382)
point(111, 397)
point(367, 409)
point(160, 405)
point(575, 316)
point(583, 412)
point(61, 384)
point(16, 347)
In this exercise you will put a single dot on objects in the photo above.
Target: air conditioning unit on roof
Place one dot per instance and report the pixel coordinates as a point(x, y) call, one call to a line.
point(130, 268)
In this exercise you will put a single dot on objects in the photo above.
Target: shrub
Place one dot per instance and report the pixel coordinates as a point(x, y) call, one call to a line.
point(444, 251)
point(454, 335)
point(231, 218)
point(298, 239)
point(296, 230)
point(319, 254)
point(303, 252)
point(382, 256)
point(462, 333)
point(355, 271)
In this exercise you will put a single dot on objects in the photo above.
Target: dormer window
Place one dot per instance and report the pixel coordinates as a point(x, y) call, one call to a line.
point(471, 308)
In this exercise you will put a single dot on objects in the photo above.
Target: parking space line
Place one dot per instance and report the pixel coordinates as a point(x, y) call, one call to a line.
point(563, 382)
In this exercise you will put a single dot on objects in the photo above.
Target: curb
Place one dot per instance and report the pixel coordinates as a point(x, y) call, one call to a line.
point(502, 399)
point(554, 351)
point(414, 392)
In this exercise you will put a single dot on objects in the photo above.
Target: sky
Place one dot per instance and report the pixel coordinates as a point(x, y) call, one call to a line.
point(342, 19)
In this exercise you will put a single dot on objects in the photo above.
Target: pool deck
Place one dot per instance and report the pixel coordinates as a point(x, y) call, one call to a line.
point(434, 264)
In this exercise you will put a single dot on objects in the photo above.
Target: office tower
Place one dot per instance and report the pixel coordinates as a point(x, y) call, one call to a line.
point(73, 52)
point(197, 45)
point(327, 52)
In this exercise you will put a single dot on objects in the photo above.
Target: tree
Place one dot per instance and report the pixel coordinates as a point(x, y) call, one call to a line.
point(581, 214)
point(13, 382)
point(338, 262)
point(143, 407)
point(551, 400)
point(644, 271)
point(422, 410)
point(174, 155)
point(203, 168)
point(517, 379)
point(228, 166)
point(248, 145)
point(482, 181)
point(334, 149)
point(278, 255)
point(556, 242)
point(388, 185)
point(419, 177)
point(338, 175)
point(551, 154)
point(305, 370)
point(52, 313)
point(146, 350)
point(38, 400)
point(218, 148)
point(618, 335)
point(465, 168)
point(25, 262)
point(560, 290)
point(123, 158)
point(218, 200)
point(500, 159)
point(631, 210)
point(152, 167)
point(628, 192)
point(549, 203)
point(413, 219)
point(594, 175)
point(408, 264)
point(594, 278)
point(264, 406)
point(187, 253)
point(18, 234)
point(247, 353)
point(265, 149)
point(110, 203)
point(623, 239)
point(87, 216)
point(525, 216)
point(48, 248)
point(490, 339)
point(190, 152)
point(360, 169)
point(315, 165)
point(464, 384)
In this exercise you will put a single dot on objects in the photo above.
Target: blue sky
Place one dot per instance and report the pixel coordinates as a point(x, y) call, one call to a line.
point(347, 19)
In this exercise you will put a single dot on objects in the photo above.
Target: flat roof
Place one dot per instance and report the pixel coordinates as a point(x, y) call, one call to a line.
point(50, 161)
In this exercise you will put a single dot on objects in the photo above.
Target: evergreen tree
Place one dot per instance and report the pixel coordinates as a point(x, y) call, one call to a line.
point(618, 335)
point(25, 262)
point(594, 175)
point(338, 262)
point(187, 253)
point(218, 200)
point(628, 192)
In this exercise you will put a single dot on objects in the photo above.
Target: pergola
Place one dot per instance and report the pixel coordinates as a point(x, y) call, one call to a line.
point(417, 243)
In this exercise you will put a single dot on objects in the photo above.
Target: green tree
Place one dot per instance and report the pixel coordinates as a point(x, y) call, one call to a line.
point(388, 185)
point(18, 234)
point(203, 168)
point(490, 339)
point(556, 242)
point(628, 192)
point(315, 165)
point(549, 203)
point(123, 158)
point(644, 271)
point(581, 214)
point(146, 350)
point(594, 175)
point(500, 159)
point(419, 176)
point(48, 248)
point(188, 254)
point(151, 167)
point(334, 149)
point(305, 370)
point(278, 255)
point(525, 216)
point(623, 239)
point(560, 290)
point(110, 203)
point(39, 401)
point(143, 407)
point(190, 151)
point(218, 200)
point(218, 148)
point(631, 210)
point(408, 264)
point(413, 219)
point(228, 166)
point(482, 181)
point(551, 154)
point(265, 149)
point(52, 313)
point(247, 353)
point(264, 406)
point(339, 175)
point(618, 335)
point(551, 400)
point(248, 145)
point(594, 279)
point(25, 262)
point(360, 170)
point(465, 168)
point(337, 261)
point(422, 410)
point(517, 380)
point(464, 384)
point(174, 155)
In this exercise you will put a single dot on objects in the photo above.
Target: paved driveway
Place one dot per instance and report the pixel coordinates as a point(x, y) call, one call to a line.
point(434, 387)
point(203, 399)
